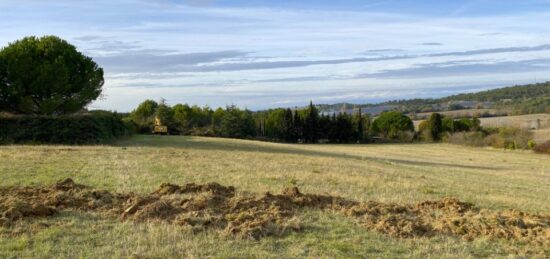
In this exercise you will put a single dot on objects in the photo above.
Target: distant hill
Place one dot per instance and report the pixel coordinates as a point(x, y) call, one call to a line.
point(513, 100)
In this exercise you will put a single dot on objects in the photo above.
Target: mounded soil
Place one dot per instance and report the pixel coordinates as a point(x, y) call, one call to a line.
point(213, 206)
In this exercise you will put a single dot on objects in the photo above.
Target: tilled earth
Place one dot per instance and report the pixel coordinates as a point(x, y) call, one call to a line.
point(251, 216)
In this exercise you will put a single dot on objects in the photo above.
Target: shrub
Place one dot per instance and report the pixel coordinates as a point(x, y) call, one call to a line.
point(93, 128)
point(507, 138)
point(531, 144)
point(543, 148)
point(510, 138)
point(476, 138)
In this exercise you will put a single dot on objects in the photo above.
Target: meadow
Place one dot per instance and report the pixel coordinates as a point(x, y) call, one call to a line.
point(391, 173)
point(528, 121)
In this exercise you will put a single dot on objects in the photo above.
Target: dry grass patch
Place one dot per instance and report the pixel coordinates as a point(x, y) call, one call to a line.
point(405, 176)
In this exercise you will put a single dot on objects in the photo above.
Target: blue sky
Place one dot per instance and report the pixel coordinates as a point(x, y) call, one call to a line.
point(262, 54)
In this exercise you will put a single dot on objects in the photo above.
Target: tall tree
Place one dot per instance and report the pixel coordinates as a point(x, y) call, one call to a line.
point(288, 126)
point(165, 114)
point(298, 127)
point(358, 121)
point(144, 116)
point(48, 76)
point(311, 120)
point(435, 125)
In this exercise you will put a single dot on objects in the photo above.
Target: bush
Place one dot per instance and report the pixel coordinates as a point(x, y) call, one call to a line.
point(510, 138)
point(507, 138)
point(543, 148)
point(475, 138)
point(93, 128)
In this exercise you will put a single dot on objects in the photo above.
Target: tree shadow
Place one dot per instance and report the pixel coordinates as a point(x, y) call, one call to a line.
point(256, 147)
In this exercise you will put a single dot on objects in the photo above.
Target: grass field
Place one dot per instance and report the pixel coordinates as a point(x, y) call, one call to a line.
point(529, 121)
point(465, 113)
point(404, 173)
point(539, 124)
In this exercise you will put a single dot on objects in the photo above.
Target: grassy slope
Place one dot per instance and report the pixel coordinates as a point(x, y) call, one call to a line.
point(391, 173)
point(541, 135)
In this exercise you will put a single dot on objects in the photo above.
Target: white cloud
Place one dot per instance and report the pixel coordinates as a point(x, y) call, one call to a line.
point(260, 57)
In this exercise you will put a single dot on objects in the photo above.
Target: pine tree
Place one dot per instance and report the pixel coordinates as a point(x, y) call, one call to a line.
point(311, 124)
point(288, 126)
point(298, 133)
point(359, 125)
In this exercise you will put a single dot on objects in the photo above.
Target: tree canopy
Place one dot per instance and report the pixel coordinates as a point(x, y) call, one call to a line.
point(47, 76)
point(391, 124)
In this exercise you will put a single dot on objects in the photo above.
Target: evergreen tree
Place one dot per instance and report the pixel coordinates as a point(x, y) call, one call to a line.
point(435, 125)
point(311, 124)
point(359, 125)
point(47, 76)
point(288, 126)
point(298, 127)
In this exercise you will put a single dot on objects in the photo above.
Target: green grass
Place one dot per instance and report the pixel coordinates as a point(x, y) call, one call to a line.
point(494, 179)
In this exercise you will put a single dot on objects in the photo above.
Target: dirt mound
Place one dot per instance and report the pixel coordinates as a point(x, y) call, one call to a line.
point(215, 188)
point(23, 202)
point(213, 206)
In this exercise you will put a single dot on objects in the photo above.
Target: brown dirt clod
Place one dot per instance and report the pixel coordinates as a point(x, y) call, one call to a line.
point(213, 206)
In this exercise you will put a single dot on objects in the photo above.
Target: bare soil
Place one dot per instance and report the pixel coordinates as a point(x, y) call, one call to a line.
point(249, 216)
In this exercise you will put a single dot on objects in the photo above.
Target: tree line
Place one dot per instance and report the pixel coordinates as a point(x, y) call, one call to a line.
point(299, 125)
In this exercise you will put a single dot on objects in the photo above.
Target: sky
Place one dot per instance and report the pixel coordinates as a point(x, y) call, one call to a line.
point(262, 54)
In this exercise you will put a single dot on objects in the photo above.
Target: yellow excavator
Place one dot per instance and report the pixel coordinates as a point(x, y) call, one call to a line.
point(159, 128)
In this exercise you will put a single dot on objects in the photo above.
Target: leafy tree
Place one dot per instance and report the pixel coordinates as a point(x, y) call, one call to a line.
point(47, 76)
point(275, 124)
point(217, 117)
point(165, 114)
point(181, 116)
point(391, 124)
point(449, 124)
point(144, 115)
point(236, 123)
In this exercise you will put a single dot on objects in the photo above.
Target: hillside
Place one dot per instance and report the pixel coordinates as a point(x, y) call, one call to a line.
point(513, 100)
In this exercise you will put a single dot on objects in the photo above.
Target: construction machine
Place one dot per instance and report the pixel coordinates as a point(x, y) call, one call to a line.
point(159, 128)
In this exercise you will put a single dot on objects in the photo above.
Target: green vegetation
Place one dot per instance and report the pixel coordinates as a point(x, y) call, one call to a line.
point(391, 125)
point(44, 82)
point(506, 138)
point(94, 128)
point(400, 173)
point(46, 76)
point(282, 125)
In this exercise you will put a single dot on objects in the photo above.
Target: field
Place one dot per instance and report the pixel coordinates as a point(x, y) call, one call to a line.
point(465, 113)
point(539, 124)
point(496, 180)
point(530, 121)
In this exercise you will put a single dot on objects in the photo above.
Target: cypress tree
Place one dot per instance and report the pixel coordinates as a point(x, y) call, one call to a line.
point(311, 124)
point(360, 128)
point(435, 125)
point(288, 126)
point(298, 133)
